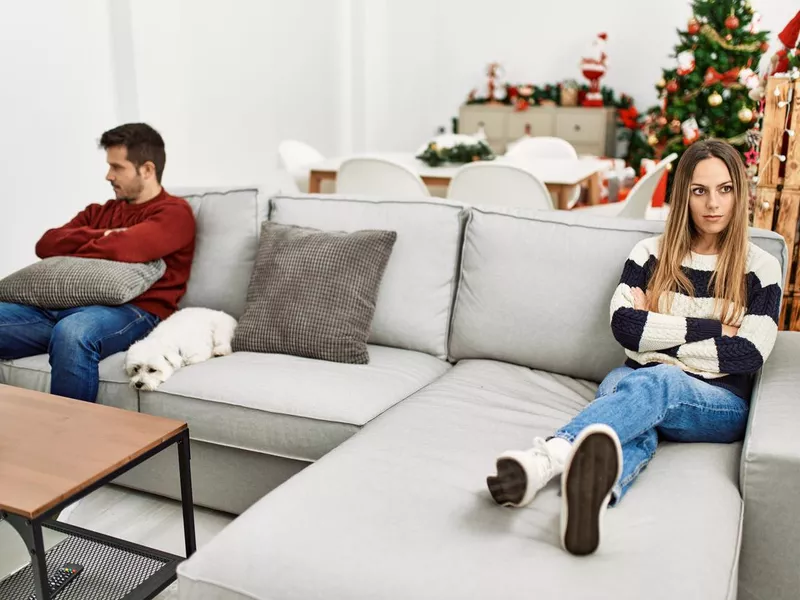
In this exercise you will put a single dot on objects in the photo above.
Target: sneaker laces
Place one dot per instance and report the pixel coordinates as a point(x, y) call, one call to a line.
point(547, 465)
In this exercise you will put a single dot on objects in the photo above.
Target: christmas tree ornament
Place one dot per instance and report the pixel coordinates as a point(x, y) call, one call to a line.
point(686, 63)
point(745, 115)
point(764, 46)
point(726, 93)
point(593, 67)
point(729, 38)
point(652, 139)
point(693, 27)
point(714, 99)
point(672, 86)
point(661, 121)
point(714, 56)
point(691, 131)
point(675, 126)
point(732, 22)
point(661, 83)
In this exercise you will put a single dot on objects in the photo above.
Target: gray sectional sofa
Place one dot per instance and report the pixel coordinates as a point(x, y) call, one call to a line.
point(368, 481)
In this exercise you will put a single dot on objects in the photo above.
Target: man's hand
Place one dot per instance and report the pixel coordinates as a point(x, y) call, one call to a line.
point(110, 231)
point(729, 330)
point(639, 299)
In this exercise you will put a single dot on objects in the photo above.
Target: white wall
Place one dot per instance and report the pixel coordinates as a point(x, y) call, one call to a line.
point(224, 82)
point(57, 99)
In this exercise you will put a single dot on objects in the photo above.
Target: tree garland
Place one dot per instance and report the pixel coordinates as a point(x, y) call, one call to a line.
point(713, 35)
point(434, 155)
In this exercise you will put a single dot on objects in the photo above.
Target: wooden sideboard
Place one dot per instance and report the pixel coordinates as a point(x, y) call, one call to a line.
point(590, 130)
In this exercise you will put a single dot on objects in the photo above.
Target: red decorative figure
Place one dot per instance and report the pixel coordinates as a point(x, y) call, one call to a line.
point(593, 67)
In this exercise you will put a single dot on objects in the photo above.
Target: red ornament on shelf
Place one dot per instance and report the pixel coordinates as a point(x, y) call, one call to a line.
point(693, 27)
point(732, 22)
point(593, 67)
point(672, 86)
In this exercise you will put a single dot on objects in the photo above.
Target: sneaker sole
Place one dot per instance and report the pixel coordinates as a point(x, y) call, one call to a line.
point(590, 478)
point(509, 485)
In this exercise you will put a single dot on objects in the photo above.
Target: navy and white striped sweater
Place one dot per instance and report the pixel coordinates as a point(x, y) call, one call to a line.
point(690, 335)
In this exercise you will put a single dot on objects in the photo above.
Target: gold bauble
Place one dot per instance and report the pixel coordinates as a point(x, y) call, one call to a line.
point(745, 115)
point(652, 139)
point(715, 99)
point(661, 82)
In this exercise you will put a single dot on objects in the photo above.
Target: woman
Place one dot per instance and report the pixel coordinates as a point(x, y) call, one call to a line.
point(696, 310)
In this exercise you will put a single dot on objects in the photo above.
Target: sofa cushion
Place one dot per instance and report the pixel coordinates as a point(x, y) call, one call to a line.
point(33, 373)
point(535, 288)
point(228, 222)
point(61, 282)
point(416, 295)
point(313, 292)
point(402, 511)
point(287, 405)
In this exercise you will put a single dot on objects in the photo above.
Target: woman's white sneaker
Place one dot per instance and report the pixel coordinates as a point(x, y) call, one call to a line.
point(591, 472)
point(522, 473)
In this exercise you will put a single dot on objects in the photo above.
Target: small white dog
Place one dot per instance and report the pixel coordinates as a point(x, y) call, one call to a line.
point(188, 337)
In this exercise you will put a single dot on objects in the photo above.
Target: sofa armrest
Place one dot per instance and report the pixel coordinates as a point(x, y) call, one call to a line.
point(770, 479)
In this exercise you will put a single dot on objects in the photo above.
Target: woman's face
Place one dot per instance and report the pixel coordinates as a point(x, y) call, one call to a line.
point(711, 198)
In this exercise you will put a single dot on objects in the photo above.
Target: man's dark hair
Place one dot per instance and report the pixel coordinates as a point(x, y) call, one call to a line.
point(142, 142)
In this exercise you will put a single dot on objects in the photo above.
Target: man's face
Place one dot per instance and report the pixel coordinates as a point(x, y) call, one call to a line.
point(123, 176)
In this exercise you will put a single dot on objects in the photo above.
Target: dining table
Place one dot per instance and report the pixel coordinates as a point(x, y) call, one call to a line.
point(560, 175)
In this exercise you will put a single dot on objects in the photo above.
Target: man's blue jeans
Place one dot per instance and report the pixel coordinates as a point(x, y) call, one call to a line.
point(643, 404)
point(76, 339)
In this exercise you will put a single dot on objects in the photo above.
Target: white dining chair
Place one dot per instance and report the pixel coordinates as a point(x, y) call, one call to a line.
point(498, 184)
point(639, 198)
point(296, 157)
point(531, 148)
point(372, 176)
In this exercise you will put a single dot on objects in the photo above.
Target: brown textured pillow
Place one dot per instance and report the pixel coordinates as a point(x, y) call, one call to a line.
point(312, 293)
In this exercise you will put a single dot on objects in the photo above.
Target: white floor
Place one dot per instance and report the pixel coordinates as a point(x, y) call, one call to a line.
point(125, 514)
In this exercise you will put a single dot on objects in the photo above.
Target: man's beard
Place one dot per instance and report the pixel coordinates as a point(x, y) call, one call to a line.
point(129, 193)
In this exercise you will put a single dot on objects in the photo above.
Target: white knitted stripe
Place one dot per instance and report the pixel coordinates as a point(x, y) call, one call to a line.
point(660, 329)
point(702, 356)
point(761, 330)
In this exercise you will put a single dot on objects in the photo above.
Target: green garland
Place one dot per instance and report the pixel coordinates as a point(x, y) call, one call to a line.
point(434, 156)
point(551, 94)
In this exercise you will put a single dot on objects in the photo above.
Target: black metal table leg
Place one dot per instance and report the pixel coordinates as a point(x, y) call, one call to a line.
point(31, 534)
point(187, 502)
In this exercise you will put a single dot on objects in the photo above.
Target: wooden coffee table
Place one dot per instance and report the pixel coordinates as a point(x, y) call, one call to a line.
point(54, 451)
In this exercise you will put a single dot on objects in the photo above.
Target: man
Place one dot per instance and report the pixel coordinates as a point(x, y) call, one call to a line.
point(144, 223)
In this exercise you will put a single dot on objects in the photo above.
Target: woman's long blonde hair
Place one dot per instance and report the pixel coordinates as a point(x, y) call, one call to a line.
point(729, 278)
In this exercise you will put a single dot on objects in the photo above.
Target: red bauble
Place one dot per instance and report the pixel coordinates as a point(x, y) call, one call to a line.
point(672, 86)
point(764, 47)
point(732, 22)
point(694, 26)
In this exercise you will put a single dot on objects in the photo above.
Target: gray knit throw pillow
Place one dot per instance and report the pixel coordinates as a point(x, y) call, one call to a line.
point(312, 293)
point(68, 282)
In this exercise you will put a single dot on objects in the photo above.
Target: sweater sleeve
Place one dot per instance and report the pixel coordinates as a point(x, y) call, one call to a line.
point(65, 240)
point(751, 346)
point(646, 331)
point(168, 229)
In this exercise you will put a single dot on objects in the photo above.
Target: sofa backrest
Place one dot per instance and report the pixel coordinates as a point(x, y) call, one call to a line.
point(535, 289)
point(414, 303)
point(228, 224)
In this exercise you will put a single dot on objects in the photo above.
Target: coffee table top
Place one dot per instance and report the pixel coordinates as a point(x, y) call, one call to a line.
point(52, 448)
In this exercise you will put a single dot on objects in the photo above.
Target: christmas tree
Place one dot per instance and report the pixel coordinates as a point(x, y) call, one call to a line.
point(713, 89)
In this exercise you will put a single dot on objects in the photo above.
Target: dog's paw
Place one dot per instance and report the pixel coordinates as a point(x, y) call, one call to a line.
point(222, 350)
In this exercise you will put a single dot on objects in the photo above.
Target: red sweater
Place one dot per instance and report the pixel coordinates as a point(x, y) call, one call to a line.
point(164, 228)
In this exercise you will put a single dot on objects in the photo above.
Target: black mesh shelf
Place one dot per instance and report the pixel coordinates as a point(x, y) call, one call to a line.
point(112, 569)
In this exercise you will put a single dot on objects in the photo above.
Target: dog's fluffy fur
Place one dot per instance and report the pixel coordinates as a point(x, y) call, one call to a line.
point(189, 336)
